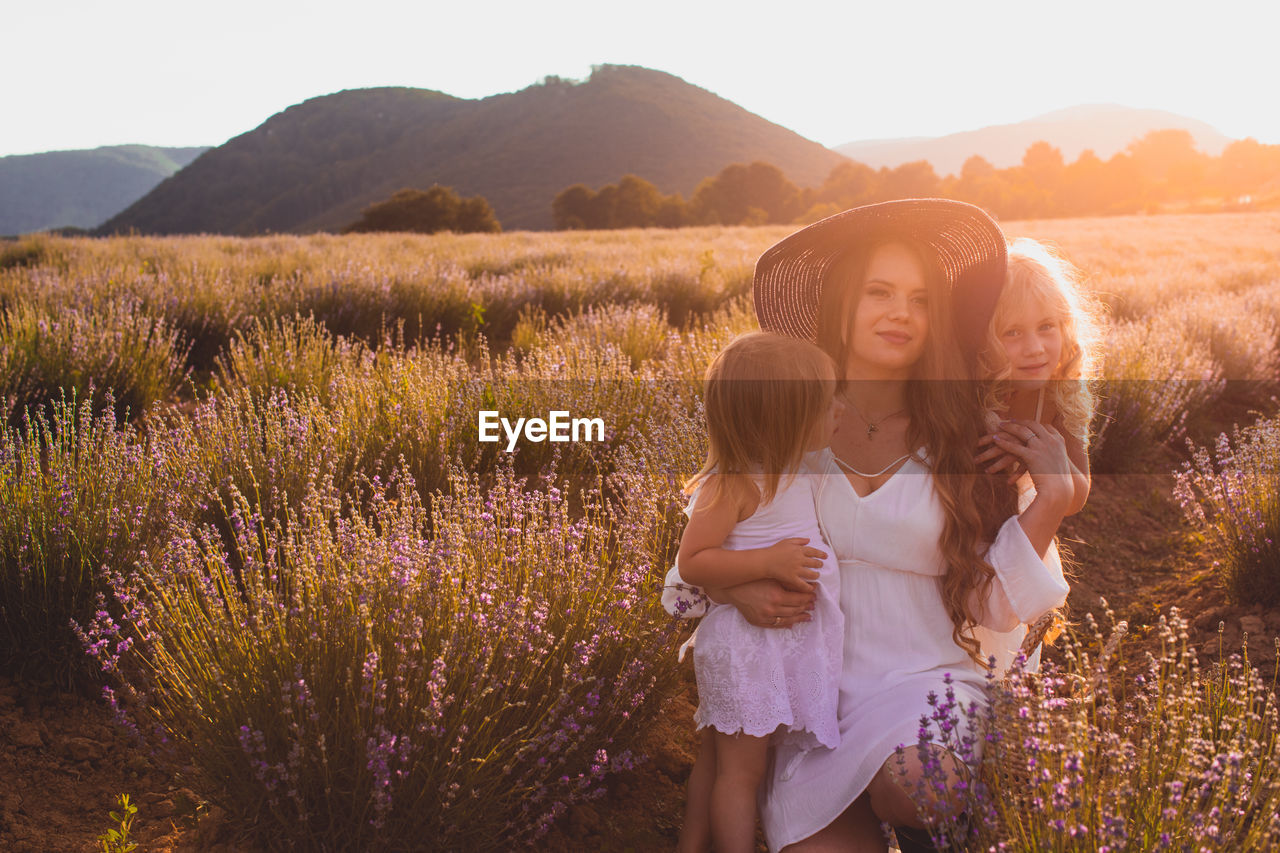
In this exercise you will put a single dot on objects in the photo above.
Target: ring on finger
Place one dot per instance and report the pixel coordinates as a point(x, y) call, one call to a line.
point(777, 619)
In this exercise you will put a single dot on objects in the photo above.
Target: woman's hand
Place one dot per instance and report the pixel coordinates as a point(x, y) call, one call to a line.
point(767, 604)
point(1042, 449)
point(793, 565)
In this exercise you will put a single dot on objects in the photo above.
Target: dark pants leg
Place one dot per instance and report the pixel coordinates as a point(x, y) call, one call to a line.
point(914, 840)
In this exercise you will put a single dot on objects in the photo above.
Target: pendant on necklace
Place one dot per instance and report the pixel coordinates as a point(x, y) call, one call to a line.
point(870, 429)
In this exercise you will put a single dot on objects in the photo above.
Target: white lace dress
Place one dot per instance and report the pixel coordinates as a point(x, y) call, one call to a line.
point(897, 636)
point(759, 680)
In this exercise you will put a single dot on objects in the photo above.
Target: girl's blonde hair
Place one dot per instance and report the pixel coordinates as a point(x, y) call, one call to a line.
point(1039, 275)
point(764, 395)
point(946, 408)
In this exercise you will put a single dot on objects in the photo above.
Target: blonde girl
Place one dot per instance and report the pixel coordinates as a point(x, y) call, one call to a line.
point(1038, 356)
point(769, 402)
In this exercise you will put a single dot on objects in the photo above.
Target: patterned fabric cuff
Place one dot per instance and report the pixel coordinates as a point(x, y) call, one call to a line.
point(682, 599)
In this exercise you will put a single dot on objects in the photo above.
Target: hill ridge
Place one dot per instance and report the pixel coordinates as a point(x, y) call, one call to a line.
point(1104, 128)
point(82, 187)
point(315, 165)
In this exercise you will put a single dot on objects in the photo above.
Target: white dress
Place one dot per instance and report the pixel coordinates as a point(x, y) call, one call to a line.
point(755, 680)
point(897, 638)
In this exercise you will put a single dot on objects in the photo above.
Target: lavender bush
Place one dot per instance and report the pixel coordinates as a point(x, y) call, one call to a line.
point(79, 496)
point(361, 684)
point(1155, 377)
point(440, 286)
point(1231, 496)
point(27, 252)
point(1264, 302)
point(294, 353)
point(640, 332)
point(1241, 338)
point(362, 410)
point(272, 447)
point(688, 355)
point(352, 411)
point(1091, 756)
point(42, 352)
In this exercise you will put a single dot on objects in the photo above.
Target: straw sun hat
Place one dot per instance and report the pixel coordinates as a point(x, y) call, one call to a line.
point(969, 247)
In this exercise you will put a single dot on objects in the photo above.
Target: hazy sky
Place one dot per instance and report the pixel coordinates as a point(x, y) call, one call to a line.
point(83, 73)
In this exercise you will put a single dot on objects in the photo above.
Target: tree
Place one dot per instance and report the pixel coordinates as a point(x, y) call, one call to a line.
point(910, 180)
point(981, 184)
point(636, 203)
point(1125, 187)
point(1246, 166)
point(673, 213)
point(427, 212)
point(475, 216)
point(746, 193)
point(1032, 188)
point(633, 202)
point(976, 168)
point(1043, 163)
point(572, 208)
point(1168, 161)
point(1084, 186)
point(849, 185)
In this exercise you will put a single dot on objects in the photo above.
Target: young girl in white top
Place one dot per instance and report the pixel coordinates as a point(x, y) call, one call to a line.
point(769, 402)
point(1039, 355)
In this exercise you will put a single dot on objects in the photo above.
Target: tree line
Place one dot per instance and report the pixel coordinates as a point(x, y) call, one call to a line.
point(1161, 171)
point(427, 212)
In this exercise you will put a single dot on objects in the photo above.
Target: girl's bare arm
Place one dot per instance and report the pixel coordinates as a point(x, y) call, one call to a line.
point(1080, 477)
point(705, 562)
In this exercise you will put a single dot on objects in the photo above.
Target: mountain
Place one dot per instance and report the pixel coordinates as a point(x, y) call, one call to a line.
point(316, 165)
point(1105, 128)
point(81, 188)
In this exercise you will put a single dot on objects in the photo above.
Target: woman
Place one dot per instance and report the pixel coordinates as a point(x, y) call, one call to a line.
point(937, 570)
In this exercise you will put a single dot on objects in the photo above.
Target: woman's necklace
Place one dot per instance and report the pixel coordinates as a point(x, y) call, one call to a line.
point(849, 467)
point(873, 427)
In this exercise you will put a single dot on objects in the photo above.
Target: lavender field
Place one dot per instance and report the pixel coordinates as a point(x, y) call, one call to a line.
point(244, 504)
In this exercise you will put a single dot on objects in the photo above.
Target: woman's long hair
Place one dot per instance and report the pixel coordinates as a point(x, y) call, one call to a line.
point(764, 394)
point(945, 406)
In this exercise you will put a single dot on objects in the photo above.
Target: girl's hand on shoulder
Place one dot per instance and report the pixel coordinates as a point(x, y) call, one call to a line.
point(767, 604)
point(793, 564)
point(1042, 449)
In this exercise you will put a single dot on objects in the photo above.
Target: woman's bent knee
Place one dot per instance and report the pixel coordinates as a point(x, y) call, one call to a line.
point(900, 791)
point(890, 801)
